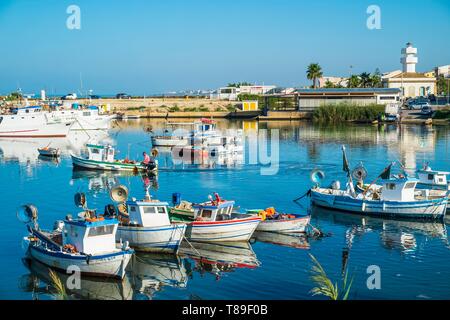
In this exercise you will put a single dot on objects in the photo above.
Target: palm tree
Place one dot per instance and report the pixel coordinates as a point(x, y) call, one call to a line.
point(353, 81)
point(365, 79)
point(314, 72)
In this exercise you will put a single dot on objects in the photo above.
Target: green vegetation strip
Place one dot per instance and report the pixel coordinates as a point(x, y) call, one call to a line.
point(333, 113)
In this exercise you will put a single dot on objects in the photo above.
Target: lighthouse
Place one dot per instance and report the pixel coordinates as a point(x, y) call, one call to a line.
point(409, 58)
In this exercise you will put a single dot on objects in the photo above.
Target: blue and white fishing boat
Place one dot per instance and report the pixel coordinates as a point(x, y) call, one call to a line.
point(87, 243)
point(145, 224)
point(397, 198)
point(432, 178)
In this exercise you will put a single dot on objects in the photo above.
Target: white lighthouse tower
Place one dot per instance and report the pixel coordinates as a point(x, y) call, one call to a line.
point(409, 58)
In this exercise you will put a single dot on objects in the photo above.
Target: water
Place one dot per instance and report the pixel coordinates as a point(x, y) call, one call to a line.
point(413, 257)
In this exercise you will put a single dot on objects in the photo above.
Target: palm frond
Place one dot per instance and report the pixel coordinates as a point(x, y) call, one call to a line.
point(57, 285)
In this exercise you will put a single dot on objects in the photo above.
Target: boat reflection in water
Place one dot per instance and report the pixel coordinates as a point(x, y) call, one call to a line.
point(39, 283)
point(150, 273)
point(394, 234)
point(218, 258)
point(103, 181)
point(298, 241)
point(25, 150)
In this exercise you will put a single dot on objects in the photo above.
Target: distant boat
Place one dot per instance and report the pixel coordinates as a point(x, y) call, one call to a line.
point(280, 222)
point(85, 119)
point(49, 152)
point(32, 122)
point(432, 178)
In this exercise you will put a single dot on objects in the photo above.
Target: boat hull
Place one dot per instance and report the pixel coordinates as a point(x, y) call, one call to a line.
point(165, 239)
point(101, 122)
point(293, 225)
point(168, 141)
point(43, 130)
point(109, 265)
point(222, 231)
point(49, 152)
point(109, 166)
point(424, 209)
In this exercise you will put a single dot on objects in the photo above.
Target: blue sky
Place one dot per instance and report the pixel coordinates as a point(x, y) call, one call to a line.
point(143, 47)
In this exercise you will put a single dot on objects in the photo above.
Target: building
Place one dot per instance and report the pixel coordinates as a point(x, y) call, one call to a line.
point(439, 71)
point(337, 81)
point(312, 98)
point(410, 82)
point(231, 93)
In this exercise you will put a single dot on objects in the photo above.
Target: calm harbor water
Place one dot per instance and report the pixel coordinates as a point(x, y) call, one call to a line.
point(414, 257)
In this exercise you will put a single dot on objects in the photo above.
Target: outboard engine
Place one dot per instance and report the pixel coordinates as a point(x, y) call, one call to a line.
point(110, 211)
point(335, 185)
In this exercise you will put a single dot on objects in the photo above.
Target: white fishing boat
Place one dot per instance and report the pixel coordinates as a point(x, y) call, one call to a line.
point(101, 157)
point(273, 221)
point(86, 243)
point(32, 122)
point(397, 198)
point(214, 221)
point(145, 224)
point(432, 178)
point(88, 118)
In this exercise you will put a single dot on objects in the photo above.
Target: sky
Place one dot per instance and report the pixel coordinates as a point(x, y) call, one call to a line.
point(143, 46)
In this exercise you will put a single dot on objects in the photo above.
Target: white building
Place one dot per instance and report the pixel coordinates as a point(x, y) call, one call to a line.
point(410, 82)
point(334, 80)
point(231, 93)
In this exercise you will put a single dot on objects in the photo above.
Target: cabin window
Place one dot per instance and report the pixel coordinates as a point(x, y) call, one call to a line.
point(430, 177)
point(96, 151)
point(149, 210)
point(1, 119)
point(410, 185)
point(206, 213)
point(440, 180)
point(86, 114)
point(101, 231)
point(27, 111)
point(390, 186)
point(133, 209)
point(161, 210)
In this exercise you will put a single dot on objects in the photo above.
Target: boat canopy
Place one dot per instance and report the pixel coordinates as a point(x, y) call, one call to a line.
point(100, 153)
point(91, 236)
point(148, 213)
point(401, 189)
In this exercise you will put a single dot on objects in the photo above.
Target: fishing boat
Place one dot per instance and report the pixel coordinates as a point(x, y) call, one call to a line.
point(214, 220)
point(87, 243)
point(101, 157)
point(145, 224)
point(273, 221)
point(32, 122)
point(397, 197)
point(432, 178)
point(49, 152)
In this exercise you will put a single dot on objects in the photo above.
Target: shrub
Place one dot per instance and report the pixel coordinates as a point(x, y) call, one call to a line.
point(342, 112)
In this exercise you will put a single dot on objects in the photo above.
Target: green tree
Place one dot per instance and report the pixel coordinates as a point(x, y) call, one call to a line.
point(329, 84)
point(375, 79)
point(354, 81)
point(442, 85)
point(365, 80)
point(239, 84)
point(314, 72)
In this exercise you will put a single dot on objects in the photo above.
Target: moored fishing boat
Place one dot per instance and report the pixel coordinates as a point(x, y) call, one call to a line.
point(86, 243)
point(145, 224)
point(432, 178)
point(397, 198)
point(49, 152)
point(215, 221)
point(102, 158)
point(273, 221)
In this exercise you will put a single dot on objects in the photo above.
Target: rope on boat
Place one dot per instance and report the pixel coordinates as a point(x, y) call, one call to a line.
point(190, 244)
point(308, 193)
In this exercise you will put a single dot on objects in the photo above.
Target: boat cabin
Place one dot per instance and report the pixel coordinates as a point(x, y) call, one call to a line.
point(100, 153)
point(91, 237)
point(431, 177)
point(148, 213)
point(205, 126)
point(398, 189)
point(213, 210)
point(27, 110)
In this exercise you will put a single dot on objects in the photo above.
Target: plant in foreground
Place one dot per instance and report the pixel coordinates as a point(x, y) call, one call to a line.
point(57, 285)
point(324, 285)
